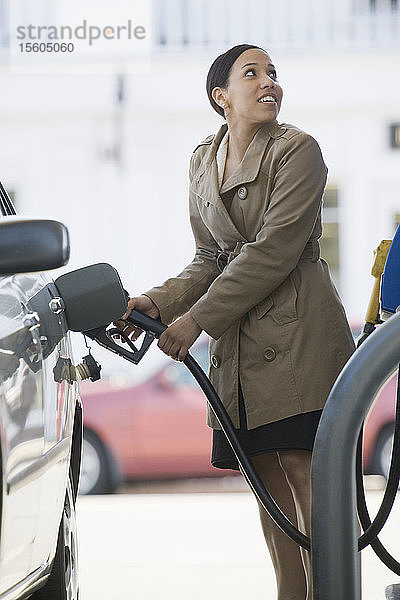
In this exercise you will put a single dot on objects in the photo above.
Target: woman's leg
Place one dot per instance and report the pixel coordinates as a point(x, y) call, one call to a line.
point(296, 465)
point(285, 554)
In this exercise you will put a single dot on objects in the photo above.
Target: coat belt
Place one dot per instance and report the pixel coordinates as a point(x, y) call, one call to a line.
point(311, 252)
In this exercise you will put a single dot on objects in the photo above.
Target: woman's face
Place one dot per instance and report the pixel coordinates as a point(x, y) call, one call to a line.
point(253, 93)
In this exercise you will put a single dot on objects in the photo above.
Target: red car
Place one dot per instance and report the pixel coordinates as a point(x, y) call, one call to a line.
point(153, 430)
point(379, 428)
point(158, 429)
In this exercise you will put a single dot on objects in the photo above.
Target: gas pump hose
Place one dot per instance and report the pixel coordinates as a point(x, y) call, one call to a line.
point(371, 529)
point(156, 327)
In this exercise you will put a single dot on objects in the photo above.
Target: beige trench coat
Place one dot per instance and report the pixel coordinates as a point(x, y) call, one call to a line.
point(273, 313)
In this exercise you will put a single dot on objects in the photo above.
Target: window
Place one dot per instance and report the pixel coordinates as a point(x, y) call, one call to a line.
point(383, 5)
point(394, 129)
point(330, 232)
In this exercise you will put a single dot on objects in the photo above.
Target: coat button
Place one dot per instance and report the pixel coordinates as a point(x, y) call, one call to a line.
point(242, 192)
point(269, 354)
point(215, 361)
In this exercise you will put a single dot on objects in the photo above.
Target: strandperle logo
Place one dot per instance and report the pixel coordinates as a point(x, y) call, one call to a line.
point(87, 32)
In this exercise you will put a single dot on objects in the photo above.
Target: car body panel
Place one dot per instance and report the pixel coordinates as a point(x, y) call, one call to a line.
point(36, 426)
point(23, 435)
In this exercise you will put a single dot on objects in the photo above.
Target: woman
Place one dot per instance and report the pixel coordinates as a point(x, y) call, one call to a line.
point(279, 334)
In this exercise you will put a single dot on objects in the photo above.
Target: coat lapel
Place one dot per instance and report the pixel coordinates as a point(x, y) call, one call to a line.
point(249, 168)
point(207, 179)
point(207, 186)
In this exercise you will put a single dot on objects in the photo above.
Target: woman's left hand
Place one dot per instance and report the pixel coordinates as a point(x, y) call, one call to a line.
point(176, 340)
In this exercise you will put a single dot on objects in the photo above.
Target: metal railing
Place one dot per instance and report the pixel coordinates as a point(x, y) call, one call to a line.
point(197, 25)
point(334, 526)
point(284, 25)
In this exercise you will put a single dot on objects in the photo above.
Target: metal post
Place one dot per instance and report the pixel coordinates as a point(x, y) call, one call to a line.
point(333, 520)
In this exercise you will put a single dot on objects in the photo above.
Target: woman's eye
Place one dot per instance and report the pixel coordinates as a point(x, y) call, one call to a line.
point(271, 74)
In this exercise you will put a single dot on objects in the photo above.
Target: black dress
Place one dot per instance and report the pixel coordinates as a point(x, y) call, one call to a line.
point(297, 432)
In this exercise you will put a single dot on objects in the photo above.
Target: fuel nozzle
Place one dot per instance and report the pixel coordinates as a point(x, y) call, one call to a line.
point(88, 368)
point(373, 317)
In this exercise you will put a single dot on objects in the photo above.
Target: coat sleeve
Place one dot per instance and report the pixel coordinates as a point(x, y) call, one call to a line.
point(176, 295)
point(262, 265)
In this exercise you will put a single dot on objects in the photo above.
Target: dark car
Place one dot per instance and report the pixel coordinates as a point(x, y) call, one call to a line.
point(40, 416)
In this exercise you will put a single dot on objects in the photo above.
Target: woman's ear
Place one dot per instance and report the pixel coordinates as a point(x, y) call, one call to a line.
point(219, 96)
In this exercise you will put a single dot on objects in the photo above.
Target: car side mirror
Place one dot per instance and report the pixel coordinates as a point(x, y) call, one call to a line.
point(28, 245)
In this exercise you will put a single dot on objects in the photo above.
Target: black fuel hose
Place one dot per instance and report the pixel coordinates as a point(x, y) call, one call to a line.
point(371, 529)
point(265, 499)
point(268, 503)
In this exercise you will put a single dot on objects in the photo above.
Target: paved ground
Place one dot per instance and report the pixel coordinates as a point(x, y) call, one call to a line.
point(204, 545)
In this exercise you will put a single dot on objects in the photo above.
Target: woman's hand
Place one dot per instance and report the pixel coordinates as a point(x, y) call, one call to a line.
point(146, 306)
point(176, 340)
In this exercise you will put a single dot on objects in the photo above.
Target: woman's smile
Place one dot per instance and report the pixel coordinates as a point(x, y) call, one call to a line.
point(266, 99)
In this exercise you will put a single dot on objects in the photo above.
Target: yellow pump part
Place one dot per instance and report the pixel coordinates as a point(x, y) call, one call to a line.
point(377, 269)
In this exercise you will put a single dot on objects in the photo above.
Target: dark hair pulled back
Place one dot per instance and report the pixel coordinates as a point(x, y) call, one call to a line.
point(219, 72)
